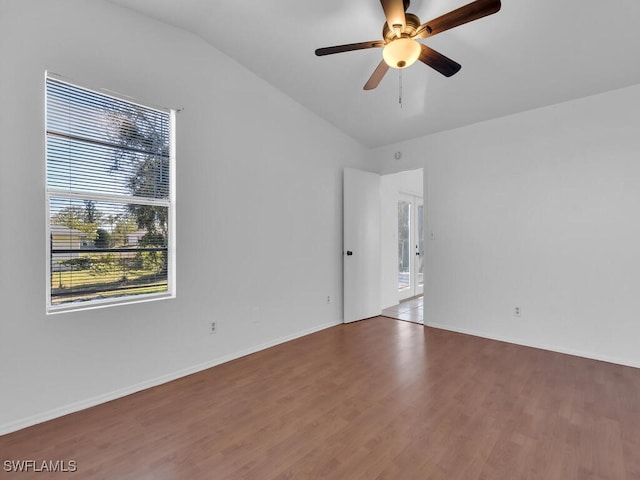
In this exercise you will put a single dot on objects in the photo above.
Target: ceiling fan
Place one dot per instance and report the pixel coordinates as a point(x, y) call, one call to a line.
point(400, 34)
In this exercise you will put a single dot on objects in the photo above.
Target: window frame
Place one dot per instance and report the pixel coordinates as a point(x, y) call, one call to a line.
point(169, 203)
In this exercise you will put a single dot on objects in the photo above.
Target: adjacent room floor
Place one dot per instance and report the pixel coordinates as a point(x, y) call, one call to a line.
point(411, 310)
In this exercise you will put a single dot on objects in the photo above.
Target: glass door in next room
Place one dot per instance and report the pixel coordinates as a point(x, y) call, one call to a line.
point(410, 246)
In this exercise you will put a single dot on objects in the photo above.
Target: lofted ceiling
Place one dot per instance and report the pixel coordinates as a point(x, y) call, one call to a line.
point(530, 54)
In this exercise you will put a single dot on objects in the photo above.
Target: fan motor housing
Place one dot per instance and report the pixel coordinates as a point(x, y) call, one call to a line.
point(412, 23)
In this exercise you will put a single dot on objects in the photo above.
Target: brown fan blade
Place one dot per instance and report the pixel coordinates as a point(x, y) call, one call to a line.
point(462, 15)
point(438, 62)
point(376, 76)
point(347, 48)
point(394, 11)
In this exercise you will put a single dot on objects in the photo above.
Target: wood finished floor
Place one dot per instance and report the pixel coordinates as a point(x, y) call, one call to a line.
point(378, 399)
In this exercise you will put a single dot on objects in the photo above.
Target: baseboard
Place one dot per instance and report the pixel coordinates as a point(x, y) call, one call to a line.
point(551, 348)
point(123, 392)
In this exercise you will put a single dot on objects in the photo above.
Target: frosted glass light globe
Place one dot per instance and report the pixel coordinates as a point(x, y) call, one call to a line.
point(401, 52)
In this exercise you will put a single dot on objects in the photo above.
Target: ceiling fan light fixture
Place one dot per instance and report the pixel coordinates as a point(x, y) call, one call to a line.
point(401, 52)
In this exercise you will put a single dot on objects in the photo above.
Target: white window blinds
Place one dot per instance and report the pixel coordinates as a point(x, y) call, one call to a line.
point(109, 196)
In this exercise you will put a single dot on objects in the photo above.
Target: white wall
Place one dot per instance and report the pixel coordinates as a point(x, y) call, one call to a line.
point(391, 186)
point(537, 210)
point(259, 204)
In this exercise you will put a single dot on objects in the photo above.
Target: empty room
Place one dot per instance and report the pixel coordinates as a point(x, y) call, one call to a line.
point(355, 239)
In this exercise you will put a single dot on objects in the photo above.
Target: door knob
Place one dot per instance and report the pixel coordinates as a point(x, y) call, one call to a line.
point(349, 252)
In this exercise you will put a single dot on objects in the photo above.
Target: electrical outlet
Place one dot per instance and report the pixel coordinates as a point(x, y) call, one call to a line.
point(328, 298)
point(517, 312)
point(212, 327)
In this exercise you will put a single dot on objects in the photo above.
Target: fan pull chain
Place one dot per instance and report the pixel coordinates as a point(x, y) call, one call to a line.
point(400, 87)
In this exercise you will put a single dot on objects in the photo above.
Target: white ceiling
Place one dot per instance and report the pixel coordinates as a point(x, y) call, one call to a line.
point(530, 54)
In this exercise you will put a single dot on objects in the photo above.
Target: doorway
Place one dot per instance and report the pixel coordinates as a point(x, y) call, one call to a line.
point(403, 260)
point(370, 245)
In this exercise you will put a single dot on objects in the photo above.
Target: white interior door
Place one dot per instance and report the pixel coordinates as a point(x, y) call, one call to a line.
point(361, 247)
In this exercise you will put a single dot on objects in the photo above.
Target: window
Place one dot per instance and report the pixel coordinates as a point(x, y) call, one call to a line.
point(110, 175)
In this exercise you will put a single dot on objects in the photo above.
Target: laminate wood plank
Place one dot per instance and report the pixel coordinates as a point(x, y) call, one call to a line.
point(378, 399)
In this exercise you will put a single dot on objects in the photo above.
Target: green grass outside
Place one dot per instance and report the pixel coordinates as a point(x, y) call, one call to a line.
point(81, 278)
point(111, 283)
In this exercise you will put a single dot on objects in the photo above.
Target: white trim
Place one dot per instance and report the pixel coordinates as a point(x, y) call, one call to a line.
point(102, 303)
point(541, 346)
point(409, 193)
point(47, 239)
point(123, 392)
point(171, 220)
